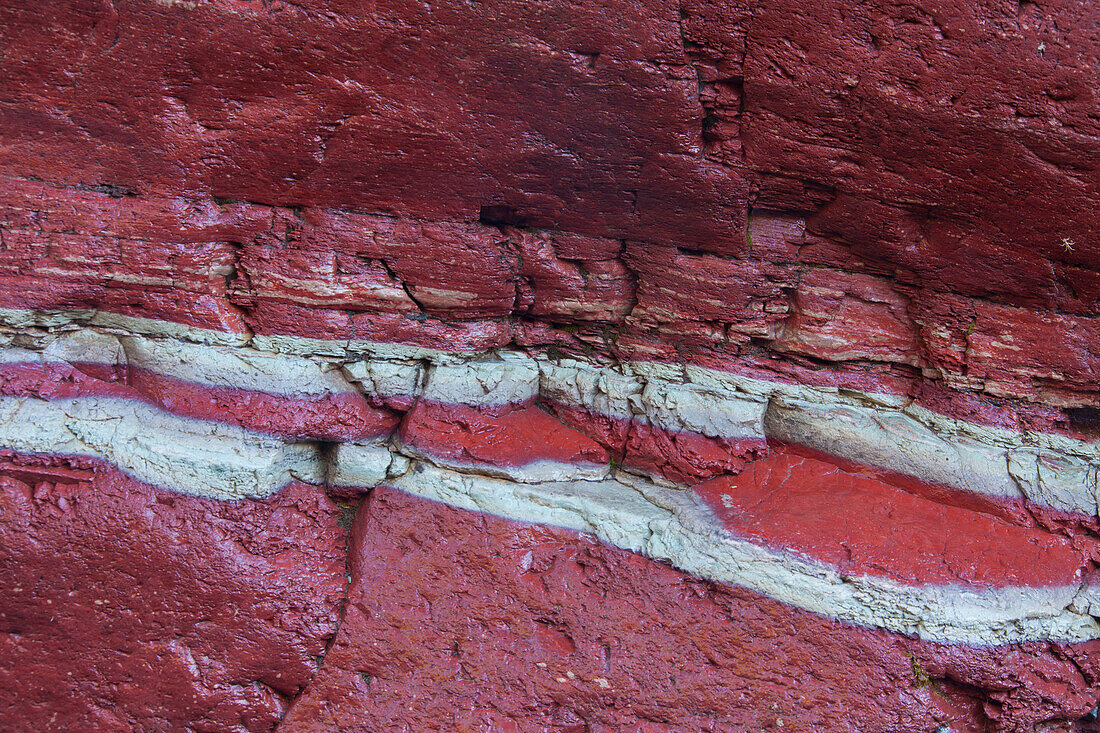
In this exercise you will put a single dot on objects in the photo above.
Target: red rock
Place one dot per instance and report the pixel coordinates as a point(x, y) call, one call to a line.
point(677, 455)
point(521, 627)
point(89, 275)
point(966, 121)
point(571, 284)
point(686, 457)
point(37, 207)
point(383, 264)
point(864, 195)
point(57, 380)
point(344, 416)
point(333, 416)
point(647, 123)
point(1013, 352)
point(131, 608)
point(238, 105)
point(277, 319)
point(776, 237)
point(841, 317)
point(448, 270)
point(321, 279)
point(509, 435)
point(455, 269)
point(736, 298)
point(861, 524)
point(156, 258)
point(302, 274)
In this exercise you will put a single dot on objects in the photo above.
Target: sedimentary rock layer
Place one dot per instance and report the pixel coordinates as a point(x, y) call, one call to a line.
point(941, 559)
point(129, 607)
point(748, 353)
point(525, 627)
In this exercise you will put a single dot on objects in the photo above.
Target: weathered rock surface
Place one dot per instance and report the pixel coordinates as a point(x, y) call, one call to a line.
point(518, 627)
point(687, 169)
point(800, 297)
point(133, 608)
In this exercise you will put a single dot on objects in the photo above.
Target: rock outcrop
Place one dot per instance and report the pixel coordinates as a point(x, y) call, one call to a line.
point(510, 366)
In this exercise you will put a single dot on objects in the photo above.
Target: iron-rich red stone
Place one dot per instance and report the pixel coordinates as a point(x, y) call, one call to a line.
point(837, 316)
point(868, 195)
point(332, 416)
point(131, 608)
point(798, 308)
point(569, 117)
point(384, 264)
point(954, 144)
point(701, 299)
point(572, 279)
point(517, 627)
point(676, 455)
point(860, 524)
point(1017, 352)
point(507, 435)
point(341, 416)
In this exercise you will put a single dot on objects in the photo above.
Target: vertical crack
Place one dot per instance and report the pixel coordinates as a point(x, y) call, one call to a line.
point(349, 510)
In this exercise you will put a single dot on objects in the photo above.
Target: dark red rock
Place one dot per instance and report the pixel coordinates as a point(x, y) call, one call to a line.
point(450, 269)
point(468, 175)
point(387, 328)
point(945, 148)
point(1014, 352)
point(130, 608)
point(570, 117)
point(956, 143)
point(686, 457)
point(330, 274)
point(518, 627)
point(52, 209)
point(694, 298)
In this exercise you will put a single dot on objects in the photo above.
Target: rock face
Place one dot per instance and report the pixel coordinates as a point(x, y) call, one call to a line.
point(132, 608)
point(684, 366)
point(521, 627)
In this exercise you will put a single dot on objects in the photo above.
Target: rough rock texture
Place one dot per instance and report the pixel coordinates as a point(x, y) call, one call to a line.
point(133, 608)
point(799, 296)
point(891, 188)
point(518, 627)
point(856, 523)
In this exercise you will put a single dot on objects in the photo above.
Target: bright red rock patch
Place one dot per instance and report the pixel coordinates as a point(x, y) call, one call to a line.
point(498, 436)
point(860, 524)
